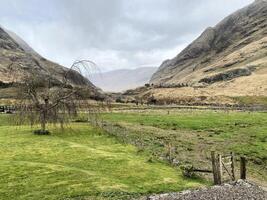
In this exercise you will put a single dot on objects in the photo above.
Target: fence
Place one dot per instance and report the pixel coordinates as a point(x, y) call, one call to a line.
point(223, 168)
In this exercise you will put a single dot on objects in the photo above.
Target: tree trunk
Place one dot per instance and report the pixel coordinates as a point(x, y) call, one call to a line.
point(43, 120)
point(44, 115)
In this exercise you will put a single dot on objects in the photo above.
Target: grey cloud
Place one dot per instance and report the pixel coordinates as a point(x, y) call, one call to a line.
point(113, 33)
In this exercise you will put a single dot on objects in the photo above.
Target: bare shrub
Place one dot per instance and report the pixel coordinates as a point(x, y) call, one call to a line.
point(45, 99)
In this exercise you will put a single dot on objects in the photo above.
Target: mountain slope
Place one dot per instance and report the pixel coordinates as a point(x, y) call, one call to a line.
point(21, 42)
point(17, 59)
point(232, 55)
point(123, 79)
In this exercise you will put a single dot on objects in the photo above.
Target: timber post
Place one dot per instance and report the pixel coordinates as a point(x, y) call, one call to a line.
point(243, 168)
point(215, 171)
point(220, 168)
point(233, 166)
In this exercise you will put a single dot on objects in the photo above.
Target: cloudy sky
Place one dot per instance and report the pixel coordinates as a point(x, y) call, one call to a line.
point(113, 33)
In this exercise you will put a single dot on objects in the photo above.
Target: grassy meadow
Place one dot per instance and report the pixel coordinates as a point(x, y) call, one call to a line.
point(127, 157)
point(195, 133)
point(81, 162)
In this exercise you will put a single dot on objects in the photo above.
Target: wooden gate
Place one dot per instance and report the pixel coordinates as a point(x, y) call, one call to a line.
point(223, 168)
point(226, 167)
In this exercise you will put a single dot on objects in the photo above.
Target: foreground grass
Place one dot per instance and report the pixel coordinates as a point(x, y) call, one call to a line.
point(195, 133)
point(80, 163)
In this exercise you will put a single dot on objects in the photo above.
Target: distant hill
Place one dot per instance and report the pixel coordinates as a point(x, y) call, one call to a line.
point(230, 58)
point(17, 58)
point(123, 79)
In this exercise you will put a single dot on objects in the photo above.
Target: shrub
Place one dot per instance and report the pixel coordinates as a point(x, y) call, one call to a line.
point(188, 170)
point(119, 100)
point(81, 120)
point(41, 132)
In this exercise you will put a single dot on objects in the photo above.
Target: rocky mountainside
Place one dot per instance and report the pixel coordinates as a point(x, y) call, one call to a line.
point(17, 59)
point(123, 79)
point(21, 42)
point(230, 56)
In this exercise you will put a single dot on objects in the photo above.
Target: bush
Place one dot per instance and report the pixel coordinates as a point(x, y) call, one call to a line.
point(152, 101)
point(81, 120)
point(119, 100)
point(188, 171)
point(5, 85)
point(41, 132)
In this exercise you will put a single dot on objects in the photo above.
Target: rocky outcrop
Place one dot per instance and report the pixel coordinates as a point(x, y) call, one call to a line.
point(229, 47)
point(228, 75)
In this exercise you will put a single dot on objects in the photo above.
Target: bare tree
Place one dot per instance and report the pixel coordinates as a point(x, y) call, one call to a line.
point(44, 99)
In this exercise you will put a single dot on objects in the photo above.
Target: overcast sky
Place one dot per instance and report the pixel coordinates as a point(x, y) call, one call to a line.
point(113, 33)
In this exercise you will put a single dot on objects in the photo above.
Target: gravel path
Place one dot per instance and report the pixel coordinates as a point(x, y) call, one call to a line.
point(239, 190)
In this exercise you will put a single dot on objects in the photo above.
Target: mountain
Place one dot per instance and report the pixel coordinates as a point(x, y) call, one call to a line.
point(18, 59)
point(228, 59)
point(21, 42)
point(122, 79)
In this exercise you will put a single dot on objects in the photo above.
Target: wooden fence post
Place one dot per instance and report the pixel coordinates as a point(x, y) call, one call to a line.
point(215, 170)
point(220, 168)
point(233, 166)
point(243, 168)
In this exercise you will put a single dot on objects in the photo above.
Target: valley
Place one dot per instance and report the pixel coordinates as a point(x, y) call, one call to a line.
point(194, 127)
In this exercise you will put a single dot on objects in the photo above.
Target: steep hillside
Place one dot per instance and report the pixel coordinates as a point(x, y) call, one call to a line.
point(123, 79)
point(17, 59)
point(21, 42)
point(228, 59)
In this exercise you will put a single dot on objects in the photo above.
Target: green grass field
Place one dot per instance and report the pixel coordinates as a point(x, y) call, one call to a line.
point(80, 162)
point(195, 133)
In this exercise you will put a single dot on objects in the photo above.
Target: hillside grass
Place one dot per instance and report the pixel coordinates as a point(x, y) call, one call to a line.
point(80, 162)
point(251, 100)
point(195, 134)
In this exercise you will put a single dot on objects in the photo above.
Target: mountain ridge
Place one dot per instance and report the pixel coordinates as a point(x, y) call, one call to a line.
point(211, 55)
point(22, 59)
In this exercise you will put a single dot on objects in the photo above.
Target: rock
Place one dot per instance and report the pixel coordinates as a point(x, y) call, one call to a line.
point(228, 75)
